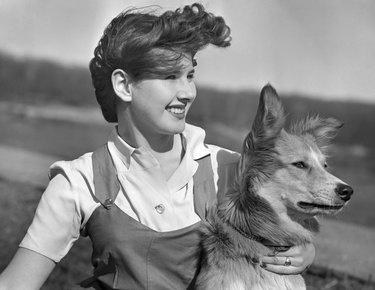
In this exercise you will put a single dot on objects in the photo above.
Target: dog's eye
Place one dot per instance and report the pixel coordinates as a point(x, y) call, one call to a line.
point(300, 164)
point(325, 165)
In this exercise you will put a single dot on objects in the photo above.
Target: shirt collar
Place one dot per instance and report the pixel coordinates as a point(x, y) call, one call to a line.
point(124, 149)
point(193, 142)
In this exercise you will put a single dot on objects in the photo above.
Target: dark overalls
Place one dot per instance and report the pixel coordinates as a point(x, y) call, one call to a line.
point(130, 255)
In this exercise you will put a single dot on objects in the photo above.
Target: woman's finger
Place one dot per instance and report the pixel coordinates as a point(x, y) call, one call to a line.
point(281, 269)
point(282, 260)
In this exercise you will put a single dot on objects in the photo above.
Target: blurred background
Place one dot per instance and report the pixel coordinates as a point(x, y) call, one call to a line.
point(319, 55)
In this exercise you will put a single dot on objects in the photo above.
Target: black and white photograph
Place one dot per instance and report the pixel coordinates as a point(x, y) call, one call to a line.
point(187, 144)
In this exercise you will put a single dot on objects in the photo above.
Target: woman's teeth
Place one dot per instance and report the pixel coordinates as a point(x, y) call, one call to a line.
point(176, 110)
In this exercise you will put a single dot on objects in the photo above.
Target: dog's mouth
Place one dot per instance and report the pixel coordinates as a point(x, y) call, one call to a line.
point(316, 206)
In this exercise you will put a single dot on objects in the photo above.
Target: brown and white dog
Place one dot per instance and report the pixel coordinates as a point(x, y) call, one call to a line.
point(281, 184)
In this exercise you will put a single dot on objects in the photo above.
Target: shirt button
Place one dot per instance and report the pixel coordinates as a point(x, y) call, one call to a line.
point(160, 208)
point(108, 203)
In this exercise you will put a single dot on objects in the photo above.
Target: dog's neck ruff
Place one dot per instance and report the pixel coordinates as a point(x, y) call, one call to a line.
point(247, 235)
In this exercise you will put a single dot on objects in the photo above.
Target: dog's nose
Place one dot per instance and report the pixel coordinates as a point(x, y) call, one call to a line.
point(344, 191)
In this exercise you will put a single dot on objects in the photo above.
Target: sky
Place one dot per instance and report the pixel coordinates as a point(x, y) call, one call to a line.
point(316, 47)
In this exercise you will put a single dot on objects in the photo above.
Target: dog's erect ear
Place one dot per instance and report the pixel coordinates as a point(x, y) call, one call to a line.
point(322, 130)
point(269, 119)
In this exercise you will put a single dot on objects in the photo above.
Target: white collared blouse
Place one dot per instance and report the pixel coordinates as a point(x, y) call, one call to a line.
point(145, 194)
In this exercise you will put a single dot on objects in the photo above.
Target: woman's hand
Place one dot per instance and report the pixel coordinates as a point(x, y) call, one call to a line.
point(292, 261)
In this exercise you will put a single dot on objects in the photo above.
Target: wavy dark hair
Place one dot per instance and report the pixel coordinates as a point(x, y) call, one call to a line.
point(147, 46)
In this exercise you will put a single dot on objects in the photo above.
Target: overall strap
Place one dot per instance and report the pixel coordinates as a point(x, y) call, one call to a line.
point(204, 187)
point(105, 178)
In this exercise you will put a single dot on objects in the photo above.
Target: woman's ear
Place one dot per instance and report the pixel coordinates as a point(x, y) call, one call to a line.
point(121, 85)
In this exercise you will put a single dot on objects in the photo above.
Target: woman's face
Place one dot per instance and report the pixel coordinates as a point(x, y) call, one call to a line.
point(159, 106)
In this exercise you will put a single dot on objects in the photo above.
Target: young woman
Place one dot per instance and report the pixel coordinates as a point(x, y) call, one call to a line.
point(141, 197)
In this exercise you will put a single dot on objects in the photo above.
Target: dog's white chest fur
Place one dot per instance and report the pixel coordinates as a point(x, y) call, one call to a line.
point(267, 280)
point(249, 277)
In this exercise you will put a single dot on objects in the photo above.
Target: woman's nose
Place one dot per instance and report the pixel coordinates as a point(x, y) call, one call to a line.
point(186, 92)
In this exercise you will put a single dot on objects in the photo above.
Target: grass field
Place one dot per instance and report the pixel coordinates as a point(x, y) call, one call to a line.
point(67, 140)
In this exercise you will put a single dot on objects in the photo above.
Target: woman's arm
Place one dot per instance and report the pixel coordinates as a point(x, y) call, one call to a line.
point(28, 270)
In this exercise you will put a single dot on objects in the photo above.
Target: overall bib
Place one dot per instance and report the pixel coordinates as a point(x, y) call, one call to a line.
point(130, 255)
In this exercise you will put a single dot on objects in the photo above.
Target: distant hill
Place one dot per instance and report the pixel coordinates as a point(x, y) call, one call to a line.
point(40, 81)
point(238, 110)
point(44, 82)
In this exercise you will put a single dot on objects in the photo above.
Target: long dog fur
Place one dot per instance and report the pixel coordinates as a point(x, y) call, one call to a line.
point(257, 212)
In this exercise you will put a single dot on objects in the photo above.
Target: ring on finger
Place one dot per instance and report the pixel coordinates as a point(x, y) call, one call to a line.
point(288, 262)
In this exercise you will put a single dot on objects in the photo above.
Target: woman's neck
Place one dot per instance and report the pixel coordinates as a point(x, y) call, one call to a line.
point(157, 143)
point(167, 149)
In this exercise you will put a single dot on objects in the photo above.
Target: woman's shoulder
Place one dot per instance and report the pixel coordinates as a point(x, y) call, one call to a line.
point(224, 164)
point(80, 167)
point(74, 180)
point(223, 156)
point(220, 155)
point(66, 204)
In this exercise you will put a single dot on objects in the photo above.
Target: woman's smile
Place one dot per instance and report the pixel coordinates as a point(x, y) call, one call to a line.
point(177, 111)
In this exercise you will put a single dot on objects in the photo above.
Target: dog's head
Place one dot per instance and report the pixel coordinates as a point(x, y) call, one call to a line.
point(289, 169)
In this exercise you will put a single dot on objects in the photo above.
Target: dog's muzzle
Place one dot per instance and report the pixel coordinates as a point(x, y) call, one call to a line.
point(344, 191)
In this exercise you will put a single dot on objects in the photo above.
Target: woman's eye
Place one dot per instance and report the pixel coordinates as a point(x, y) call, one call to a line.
point(300, 164)
point(171, 77)
point(190, 76)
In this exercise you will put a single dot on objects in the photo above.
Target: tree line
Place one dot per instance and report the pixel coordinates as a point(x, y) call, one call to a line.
point(44, 82)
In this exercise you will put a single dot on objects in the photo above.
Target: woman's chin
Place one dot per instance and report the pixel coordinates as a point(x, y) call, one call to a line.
point(177, 128)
